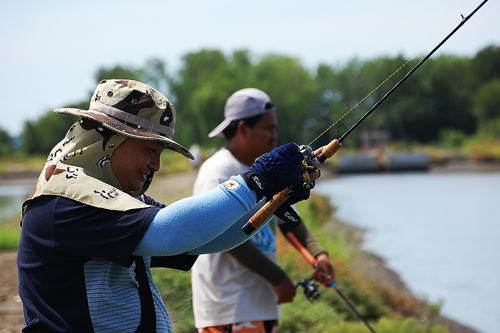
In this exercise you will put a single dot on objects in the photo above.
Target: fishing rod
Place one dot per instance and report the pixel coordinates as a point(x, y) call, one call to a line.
point(312, 163)
point(314, 263)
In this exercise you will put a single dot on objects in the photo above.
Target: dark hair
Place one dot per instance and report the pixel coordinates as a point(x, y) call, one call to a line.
point(231, 129)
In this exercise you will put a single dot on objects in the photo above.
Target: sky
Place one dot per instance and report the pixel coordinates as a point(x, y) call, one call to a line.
point(50, 50)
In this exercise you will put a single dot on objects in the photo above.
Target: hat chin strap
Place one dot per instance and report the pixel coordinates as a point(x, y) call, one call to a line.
point(145, 186)
point(130, 118)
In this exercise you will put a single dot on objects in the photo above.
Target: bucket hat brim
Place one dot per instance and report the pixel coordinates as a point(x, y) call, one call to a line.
point(124, 129)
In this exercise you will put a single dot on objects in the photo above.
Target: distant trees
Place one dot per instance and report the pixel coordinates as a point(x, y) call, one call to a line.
point(207, 78)
point(6, 143)
point(39, 137)
point(448, 96)
point(486, 108)
point(117, 72)
point(200, 89)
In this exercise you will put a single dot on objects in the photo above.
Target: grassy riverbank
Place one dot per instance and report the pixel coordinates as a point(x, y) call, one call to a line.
point(375, 291)
point(387, 309)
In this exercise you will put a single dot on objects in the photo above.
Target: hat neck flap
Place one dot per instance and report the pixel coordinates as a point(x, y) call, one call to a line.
point(79, 168)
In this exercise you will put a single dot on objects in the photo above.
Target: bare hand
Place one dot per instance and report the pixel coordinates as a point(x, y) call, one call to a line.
point(285, 291)
point(324, 273)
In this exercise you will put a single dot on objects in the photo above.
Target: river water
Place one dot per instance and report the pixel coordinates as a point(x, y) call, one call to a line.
point(439, 231)
point(11, 200)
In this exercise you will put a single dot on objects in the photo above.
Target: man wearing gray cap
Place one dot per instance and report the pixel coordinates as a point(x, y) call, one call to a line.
point(240, 290)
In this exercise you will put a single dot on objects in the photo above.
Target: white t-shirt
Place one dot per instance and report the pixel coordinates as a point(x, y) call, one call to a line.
point(224, 290)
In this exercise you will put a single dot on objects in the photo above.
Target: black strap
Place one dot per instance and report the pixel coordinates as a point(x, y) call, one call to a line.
point(148, 314)
point(256, 182)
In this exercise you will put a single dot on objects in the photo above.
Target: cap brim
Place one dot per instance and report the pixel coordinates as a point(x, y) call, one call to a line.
point(219, 129)
point(121, 128)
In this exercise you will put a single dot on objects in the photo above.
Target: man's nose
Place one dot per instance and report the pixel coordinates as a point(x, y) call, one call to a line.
point(155, 163)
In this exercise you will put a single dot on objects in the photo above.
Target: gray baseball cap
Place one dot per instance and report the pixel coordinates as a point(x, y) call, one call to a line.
point(244, 103)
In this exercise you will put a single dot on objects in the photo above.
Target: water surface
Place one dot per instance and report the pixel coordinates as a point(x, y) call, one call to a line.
point(11, 200)
point(440, 232)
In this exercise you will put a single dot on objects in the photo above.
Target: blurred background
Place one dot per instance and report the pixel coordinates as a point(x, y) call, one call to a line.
point(317, 61)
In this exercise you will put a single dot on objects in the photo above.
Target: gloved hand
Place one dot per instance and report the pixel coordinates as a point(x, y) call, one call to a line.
point(275, 171)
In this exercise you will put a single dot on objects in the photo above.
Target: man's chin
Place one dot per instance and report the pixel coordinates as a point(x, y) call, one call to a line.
point(144, 185)
point(139, 191)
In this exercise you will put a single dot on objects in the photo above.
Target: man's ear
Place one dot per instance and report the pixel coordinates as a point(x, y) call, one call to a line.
point(242, 128)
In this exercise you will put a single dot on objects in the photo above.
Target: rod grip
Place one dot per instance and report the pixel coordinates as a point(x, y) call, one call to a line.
point(327, 152)
point(331, 148)
point(301, 248)
point(307, 255)
point(266, 211)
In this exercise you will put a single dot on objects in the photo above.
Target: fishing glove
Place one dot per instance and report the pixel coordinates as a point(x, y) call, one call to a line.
point(277, 170)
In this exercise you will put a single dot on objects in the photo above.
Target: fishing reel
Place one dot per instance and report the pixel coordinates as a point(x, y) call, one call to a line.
point(308, 166)
point(310, 289)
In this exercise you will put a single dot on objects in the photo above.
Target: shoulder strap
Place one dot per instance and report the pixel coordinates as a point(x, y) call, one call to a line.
point(148, 314)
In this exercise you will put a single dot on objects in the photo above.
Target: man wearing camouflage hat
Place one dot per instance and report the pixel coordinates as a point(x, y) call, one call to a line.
point(90, 234)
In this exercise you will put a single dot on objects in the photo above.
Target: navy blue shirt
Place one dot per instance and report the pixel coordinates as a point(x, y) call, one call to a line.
point(72, 257)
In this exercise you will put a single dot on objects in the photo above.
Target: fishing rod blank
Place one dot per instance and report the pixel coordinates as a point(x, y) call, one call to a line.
point(314, 263)
point(272, 205)
point(332, 284)
point(464, 19)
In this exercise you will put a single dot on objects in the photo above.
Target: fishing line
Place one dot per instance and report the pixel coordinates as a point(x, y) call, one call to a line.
point(312, 162)
point(361, 101)
point(397, 70)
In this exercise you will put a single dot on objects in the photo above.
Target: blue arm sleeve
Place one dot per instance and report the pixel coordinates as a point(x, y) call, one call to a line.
point(231, 238)
point(193, 222)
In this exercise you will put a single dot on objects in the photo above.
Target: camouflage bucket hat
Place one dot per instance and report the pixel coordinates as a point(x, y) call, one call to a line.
point(133, 109)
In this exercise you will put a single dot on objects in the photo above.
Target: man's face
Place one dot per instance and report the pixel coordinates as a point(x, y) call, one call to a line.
point(133, 160)
point(262, 137)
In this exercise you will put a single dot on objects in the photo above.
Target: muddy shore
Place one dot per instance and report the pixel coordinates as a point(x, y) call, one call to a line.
point(11, 316)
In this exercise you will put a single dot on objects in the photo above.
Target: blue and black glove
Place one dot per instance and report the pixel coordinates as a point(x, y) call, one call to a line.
point(275, 171)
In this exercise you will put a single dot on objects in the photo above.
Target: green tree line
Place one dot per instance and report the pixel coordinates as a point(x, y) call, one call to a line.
point(449, 96)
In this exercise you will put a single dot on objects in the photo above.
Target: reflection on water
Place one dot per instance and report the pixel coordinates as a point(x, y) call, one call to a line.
point(11, 200)
point(440, 232)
